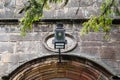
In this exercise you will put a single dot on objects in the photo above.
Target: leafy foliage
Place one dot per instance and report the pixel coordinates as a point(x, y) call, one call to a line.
point(34, 12)
point(104, 21)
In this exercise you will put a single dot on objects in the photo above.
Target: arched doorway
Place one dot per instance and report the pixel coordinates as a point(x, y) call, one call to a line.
point(72, 68)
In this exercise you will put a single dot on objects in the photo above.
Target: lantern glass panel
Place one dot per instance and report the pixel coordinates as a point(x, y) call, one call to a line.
point(59, 35)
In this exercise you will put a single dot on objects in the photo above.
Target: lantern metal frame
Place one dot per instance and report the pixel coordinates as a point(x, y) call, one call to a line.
point(59, 40)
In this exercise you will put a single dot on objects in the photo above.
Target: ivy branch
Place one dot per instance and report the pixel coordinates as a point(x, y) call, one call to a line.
point(34, 12)
point(104, 21)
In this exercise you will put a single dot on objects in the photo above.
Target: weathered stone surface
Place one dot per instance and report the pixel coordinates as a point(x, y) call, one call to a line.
point(89, 50)
point(10, 9)
point(0, 57)
point(26, 57)
point(7, 8)
point(29, 47)
point(90, 44)
point(9, 29)
point(111, 43)
point(49, 14)
point(107, 52)
point(2, 29)
point(43, 28)
point(16, 50)
point(4, 37)
point(68, 27)
point(115, 36)
point(3, 69)
point(117, 53)
point(59, 14)
point(28, 37)
point(20, 49)
point(110, 63)
point(29, 50)
point(71, 13)
point(93, 37)
point(6, 47)
point(11, 67)
point(11, 58)
point(87, 2)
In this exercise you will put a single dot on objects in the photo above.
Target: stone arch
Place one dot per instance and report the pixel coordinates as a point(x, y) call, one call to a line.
point(72, 67)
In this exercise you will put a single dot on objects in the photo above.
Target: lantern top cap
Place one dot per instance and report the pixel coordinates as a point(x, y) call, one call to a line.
point(59, 25)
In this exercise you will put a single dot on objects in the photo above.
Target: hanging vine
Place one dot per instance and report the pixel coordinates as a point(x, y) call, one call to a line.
point(34, 12)
point(102, 22)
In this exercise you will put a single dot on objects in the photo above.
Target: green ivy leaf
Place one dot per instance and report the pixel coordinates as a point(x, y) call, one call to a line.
point(34, 12)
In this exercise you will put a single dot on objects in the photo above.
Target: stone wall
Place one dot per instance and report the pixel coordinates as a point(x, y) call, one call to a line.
point(16, 50)
point(9, 9)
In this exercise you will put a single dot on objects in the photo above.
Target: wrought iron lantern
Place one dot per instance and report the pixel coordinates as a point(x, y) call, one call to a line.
point(59, 39)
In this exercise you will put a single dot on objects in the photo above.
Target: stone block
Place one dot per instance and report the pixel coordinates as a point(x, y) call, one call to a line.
point(29, 47)
point(71, 13)
point(89, 11)
point(1, 5)
point(4, 37)
point(12, 67)
point(20, 3)
point(107, 52)
point(9, 3)
point(75, 35)
point(115, 36)
point(0, 57)
point(86, 3)
point(8, 8)
point(3, 69)
point(111, 43)
point(77, 27)
point(68, 27)
point(118, 62)
point(61, 13)
point(16, 37)
point(2, 12)
point(115, 29)
point(73, 3)
point(99, 3)
point(37, 27)
point(91, 44)
point(92, 36)
point(2, 29)
point(10, 58)
point(89, 50)
point(79, 13)
point(9, 13)
point(6, 46)
point(48, 14)
point(117, 53)
point(109, 62)
point(27, 57)
point(28, 37)
point(24, 46)
point(43, 28)
point(13, 28)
